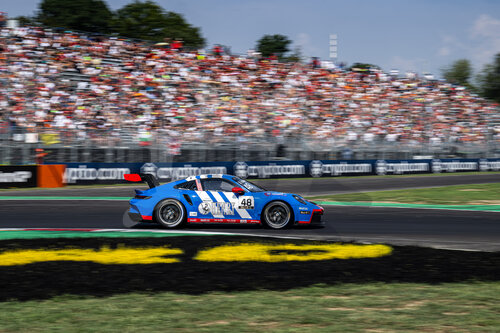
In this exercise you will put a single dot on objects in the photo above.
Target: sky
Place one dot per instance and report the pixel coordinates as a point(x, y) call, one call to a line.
point(408, 35)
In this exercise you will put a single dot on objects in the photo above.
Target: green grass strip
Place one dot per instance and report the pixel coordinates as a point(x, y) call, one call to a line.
point(369, 307)
point(63, 198)
point(32, 234)
point(471, 194)
point(489, 208)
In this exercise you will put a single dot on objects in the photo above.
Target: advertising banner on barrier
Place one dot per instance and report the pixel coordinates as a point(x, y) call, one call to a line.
point(399, 167)
point(489, 164)
point(18, 176)
point(109, 173)
point(92, 173)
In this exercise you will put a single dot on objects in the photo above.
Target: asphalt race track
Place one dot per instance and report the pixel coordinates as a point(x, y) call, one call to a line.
point(472, 230)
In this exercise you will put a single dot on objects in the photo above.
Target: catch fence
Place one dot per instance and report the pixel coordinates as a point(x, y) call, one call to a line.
point(18, 148)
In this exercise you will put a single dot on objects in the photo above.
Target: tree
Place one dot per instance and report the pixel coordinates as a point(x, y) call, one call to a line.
point(296, 56)
point(489, 80)
point(273, 45)
point(142, 20)
point(86, 15)
point(177, 27)
point(147, 20)
point(25, 20)
point(459, 73)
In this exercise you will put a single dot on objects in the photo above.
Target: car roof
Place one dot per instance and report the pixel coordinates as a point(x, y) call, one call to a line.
point(209, 176)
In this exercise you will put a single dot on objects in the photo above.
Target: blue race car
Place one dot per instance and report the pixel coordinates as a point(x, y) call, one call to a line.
point(215, 199)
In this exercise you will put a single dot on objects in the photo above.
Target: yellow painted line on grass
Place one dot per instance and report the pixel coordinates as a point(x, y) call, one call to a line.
point(291, 252)
point(226, 253)
point(105, 255)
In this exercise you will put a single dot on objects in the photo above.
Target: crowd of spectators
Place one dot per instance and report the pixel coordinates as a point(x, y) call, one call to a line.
point(74, 88)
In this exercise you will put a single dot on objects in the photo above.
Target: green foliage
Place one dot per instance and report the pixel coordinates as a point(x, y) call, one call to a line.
point(86, 15)
point(273, 44)
point(296, 56)
point(147, 20)
point(177, 27)
point(489, 80)
point(25, 20)
point(142, 20)
point(459, 73)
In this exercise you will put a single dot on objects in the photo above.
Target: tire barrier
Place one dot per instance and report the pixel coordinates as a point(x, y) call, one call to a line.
point(43, 268)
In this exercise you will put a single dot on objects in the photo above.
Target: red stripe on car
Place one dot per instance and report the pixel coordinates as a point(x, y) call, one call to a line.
point(208, 220)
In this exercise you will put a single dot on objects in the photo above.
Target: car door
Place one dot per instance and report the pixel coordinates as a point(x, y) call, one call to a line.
point(224, 205)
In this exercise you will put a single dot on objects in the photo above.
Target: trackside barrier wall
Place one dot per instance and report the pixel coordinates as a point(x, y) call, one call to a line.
point(32, 175)
point(109, 173)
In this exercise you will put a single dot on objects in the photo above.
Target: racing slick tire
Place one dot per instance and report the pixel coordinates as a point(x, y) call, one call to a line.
point(277, 215)
point(170, 213)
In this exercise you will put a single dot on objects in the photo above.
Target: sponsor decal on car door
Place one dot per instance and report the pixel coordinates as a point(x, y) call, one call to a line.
point(243, 204)
point(218, 206)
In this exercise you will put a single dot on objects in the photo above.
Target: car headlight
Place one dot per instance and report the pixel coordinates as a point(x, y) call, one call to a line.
point(299, 199)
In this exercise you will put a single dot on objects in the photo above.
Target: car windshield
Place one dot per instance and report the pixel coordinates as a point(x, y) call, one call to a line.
point(249, 186)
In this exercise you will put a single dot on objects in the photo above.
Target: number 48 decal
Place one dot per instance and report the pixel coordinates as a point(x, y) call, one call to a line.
point(246, 203)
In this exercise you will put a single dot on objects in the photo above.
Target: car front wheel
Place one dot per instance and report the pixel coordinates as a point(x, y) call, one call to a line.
point(170, 213)
point(277, 215)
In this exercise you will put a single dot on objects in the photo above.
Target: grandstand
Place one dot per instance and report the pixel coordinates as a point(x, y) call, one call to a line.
point(86, 99)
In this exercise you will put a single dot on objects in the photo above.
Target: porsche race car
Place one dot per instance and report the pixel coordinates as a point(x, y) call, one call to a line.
point(214, 199)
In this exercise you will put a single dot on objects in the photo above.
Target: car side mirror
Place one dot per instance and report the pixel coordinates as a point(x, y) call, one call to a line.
point(238, 190)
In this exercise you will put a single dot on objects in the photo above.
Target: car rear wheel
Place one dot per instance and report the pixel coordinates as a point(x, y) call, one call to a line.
point(277, 215)
point(170, 213)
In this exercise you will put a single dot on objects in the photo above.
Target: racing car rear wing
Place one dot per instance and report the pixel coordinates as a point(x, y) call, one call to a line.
point(150, 179)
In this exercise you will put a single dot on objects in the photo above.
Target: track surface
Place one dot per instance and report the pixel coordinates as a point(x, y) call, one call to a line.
point(439, 228)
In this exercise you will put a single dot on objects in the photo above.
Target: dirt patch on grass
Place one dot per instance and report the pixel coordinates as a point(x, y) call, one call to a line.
point(214, 323)
point(362, 309)
point(485, 202)
point(401, 202)
point(412, 305)
point(269, 324)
